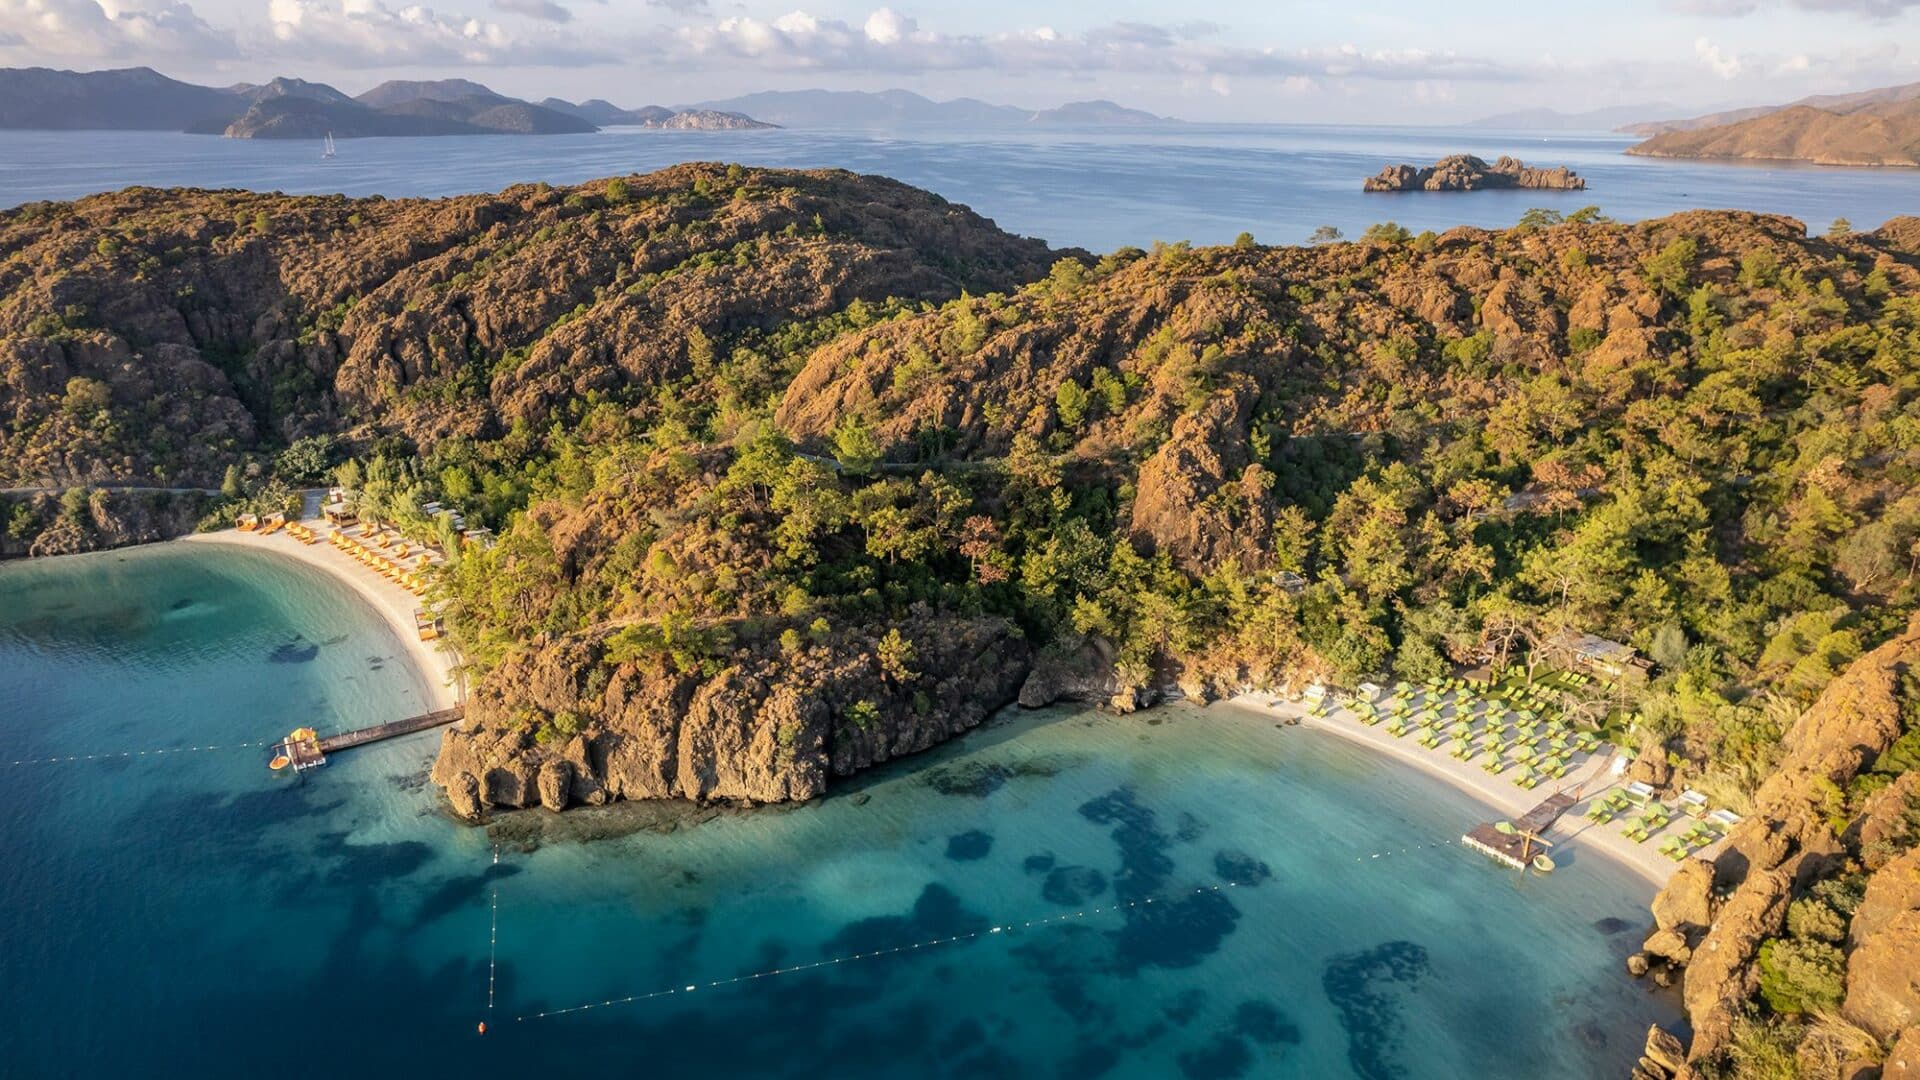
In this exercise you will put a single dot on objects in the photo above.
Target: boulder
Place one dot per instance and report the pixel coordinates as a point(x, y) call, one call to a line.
point(1883, 978)
point(1883, 823)
point(556, 782)
point(1903, 1059)
point(1891, 891)
point(1669, 945)
point(1650, 766)
point(463, 794)
point(1078, 670)
point(1664, 1050)
point(1686, 902)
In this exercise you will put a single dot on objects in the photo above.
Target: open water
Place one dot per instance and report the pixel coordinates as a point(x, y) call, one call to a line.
point(1097, 188)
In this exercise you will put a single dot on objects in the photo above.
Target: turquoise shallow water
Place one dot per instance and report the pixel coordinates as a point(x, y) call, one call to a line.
point(192, 914)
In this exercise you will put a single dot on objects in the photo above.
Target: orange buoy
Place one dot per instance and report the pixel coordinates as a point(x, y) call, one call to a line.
point(280, 761)
point(483, 1027)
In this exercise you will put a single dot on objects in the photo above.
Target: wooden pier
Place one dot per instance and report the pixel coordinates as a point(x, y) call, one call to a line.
point(305, 749)
point(1516, 848)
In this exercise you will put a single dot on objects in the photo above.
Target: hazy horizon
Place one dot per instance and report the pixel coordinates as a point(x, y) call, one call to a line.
point(1395, 63)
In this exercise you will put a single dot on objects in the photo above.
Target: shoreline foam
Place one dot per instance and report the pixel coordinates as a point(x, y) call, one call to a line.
point(437, 666)
point(1496, 792)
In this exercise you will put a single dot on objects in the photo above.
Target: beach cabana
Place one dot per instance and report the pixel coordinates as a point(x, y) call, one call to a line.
point(1693, 804)
point(1638, 794)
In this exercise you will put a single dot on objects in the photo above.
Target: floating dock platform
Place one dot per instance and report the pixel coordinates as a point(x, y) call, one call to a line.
point(1517, 848)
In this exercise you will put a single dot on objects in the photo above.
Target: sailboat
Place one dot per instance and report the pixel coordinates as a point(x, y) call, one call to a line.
point(327, 152)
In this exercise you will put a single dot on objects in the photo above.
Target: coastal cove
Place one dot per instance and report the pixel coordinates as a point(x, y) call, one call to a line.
point(1314, 915)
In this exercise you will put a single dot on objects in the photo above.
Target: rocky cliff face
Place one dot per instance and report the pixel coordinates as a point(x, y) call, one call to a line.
point(46, 524)
point(1712, 918)
point(563, 724)
point(1464, 172)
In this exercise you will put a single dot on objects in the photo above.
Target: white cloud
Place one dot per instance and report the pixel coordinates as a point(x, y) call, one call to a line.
point(1869, 9)
point(108, 29)
point(889, 42)
point(887, 27)
point(368, 33)
point(544, 10)
point(1722, 63)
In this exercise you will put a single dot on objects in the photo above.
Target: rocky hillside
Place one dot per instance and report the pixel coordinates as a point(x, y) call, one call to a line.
point(1236, 466)
point(1882, 133)
point(159, 336)
point(1803, 934)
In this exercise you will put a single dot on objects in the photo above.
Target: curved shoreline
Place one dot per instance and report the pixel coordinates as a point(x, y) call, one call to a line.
point(437, 666)
point(1497, 794)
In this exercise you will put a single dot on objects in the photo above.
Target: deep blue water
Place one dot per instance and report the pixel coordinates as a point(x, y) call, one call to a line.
point(1097, 188)
point(191, 914)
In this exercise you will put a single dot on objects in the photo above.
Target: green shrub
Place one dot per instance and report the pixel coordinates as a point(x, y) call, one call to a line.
point(1801, 976)
point(1816, 921)
point(863, 715)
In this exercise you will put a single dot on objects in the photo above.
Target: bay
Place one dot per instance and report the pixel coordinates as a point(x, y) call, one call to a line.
point(1188, 892)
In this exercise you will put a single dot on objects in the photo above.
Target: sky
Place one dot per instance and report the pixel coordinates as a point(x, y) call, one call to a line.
point(1204, 60)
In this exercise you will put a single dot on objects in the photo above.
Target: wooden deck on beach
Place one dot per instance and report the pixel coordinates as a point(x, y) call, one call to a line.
point(1515, 849)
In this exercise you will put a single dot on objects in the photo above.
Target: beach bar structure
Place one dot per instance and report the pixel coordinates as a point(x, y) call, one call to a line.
point(1574, 650)
point(1516, 846)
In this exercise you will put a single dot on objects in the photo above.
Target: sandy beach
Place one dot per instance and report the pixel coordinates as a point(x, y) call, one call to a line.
point(396, 605)
point(1573, 833)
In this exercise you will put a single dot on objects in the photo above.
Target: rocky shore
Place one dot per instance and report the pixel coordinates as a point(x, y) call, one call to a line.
point(1713, 918)
point(570, 722)
point(1465, 172)
point(95, 519)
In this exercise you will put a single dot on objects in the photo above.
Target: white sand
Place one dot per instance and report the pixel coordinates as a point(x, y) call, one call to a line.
point(1573, 831)
point(396, 605)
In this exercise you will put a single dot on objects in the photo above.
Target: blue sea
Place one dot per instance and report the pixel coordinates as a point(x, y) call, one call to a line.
point(1184, 893)
point(1097, 188)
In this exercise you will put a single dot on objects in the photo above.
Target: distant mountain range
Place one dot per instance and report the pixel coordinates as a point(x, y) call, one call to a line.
point(286, 108)
point(1871, 127)
point(904, 109)
point(1545, 119)
point(1833, 103)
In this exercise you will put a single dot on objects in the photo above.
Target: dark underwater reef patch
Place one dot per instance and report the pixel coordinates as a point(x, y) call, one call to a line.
point(1240, 867)
point(969, 846)
point(1144, 863)
point(297, 651)
point(1366, 987)
point(1071, 885)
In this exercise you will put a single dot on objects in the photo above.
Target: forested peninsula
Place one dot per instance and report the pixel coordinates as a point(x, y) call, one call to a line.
point(796, 472)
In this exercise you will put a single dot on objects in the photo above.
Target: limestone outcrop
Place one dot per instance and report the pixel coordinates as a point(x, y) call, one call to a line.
point(1711, 918)
point(561, 725)
point(1465, 172)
